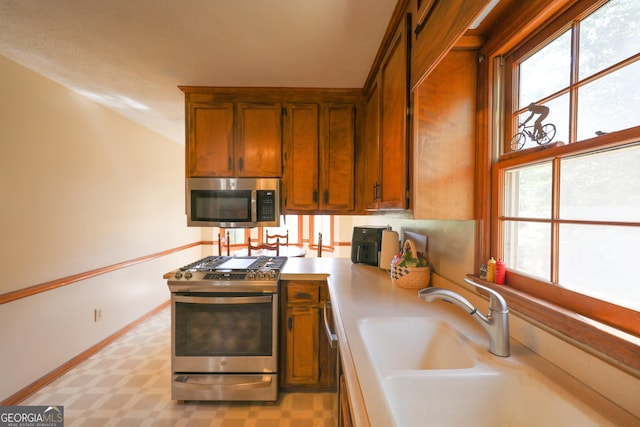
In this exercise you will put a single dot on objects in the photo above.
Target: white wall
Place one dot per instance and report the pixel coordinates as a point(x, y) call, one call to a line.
point(450, 243)
point(81, 188)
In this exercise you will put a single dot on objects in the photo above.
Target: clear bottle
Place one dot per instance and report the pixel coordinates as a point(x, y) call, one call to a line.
point(491, 270)
point(500, 272)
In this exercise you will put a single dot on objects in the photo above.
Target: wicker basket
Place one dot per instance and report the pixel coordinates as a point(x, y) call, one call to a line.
point(410, 277)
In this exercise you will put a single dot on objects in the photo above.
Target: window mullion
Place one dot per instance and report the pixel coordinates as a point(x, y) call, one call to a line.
point(573, 91)
point(555, 224)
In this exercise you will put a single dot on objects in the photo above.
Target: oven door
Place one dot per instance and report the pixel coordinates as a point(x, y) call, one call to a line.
point(224, 333)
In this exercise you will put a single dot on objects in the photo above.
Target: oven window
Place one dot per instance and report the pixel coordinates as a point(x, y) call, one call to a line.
point(221, 205)
point(223, 329)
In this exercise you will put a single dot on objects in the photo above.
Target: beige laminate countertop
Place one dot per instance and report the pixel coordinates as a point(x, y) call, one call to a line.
point(359, 292)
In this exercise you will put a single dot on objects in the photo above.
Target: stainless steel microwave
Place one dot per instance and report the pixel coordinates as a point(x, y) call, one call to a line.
point(233, 202)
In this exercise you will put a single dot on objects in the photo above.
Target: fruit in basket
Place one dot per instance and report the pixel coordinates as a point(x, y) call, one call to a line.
point(409, 257)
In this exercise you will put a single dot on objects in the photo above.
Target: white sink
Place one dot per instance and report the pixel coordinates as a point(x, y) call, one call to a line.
point(431, 375)
point(488, 399)
point(415, 343)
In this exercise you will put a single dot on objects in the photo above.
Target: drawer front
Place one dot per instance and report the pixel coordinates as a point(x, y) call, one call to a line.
point(302, 293)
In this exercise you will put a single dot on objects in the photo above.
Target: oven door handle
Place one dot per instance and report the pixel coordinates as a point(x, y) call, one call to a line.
point(223, 300)
point(209, 381)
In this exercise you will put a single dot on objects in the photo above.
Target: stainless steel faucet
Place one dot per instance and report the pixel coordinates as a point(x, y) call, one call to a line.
point(495, 323)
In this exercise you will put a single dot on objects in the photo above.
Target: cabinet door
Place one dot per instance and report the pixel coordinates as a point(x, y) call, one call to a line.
point(337, 151)
point(259, 140)
point(370, 151)
point(445, 104)
point(344, 407)
point(302, 345)
point(210, 140)
point(394, 163)
point(301, 136)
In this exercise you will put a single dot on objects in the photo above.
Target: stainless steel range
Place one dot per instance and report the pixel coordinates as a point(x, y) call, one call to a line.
point(224, 329)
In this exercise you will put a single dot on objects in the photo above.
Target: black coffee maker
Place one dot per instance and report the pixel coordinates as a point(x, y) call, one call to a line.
point(366, 243)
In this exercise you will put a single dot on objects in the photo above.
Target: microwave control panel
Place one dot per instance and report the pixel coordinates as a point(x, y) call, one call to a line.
point(266, 204)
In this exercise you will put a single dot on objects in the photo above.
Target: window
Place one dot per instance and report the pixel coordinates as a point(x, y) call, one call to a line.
point(567, 215)
point(291, 224)
point(321, 224)
point(587, 74)
point(238, 237)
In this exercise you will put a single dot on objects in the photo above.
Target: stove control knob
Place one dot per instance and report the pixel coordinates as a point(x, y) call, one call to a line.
point(188, 275)
point(272, 275)
point(251, 275)
point(178, 275)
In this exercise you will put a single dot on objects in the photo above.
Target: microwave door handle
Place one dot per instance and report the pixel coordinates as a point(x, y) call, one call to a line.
point(223, 300)
point(254, 204)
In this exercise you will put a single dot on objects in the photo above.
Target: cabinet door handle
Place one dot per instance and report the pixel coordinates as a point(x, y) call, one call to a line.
point(315, 196)
point(290, 323)
point(241, 163)
point(326, 197)
point(229, 163)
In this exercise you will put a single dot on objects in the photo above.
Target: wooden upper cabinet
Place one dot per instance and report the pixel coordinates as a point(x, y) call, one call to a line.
point(386, 143)
point(233, 139)
point(337, 162)
point(319, 150)
point(301, 145)
point(438, 25)
point(306, 136)
point(210, 139)
point(259, 140)
point(444, 153)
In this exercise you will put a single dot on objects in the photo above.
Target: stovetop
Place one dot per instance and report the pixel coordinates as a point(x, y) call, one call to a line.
point(228, 274)
point(219, 263)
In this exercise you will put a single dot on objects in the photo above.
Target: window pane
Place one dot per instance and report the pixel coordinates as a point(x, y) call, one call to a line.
point(609, 35)
point(601, 261)
point(287, 223)
point(558, 115)
point(527, 248)
point(545, 72)
point(601, 186)
point(237, 236)
point(322, 224)
point(610, 103)
point(528, 191)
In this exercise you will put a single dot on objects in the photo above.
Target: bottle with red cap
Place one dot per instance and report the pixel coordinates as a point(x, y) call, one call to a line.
point(500, 272)
point(491, 270)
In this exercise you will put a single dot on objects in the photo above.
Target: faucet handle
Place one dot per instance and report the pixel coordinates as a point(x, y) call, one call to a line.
point(497, 303)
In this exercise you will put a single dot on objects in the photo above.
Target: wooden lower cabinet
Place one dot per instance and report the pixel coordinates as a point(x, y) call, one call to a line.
point(344, 412)
point(307, 362)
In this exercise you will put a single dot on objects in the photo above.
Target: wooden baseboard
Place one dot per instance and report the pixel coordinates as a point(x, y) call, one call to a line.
point(64, 368)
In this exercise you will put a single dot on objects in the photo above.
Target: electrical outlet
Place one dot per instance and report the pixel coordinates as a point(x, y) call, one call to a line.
point(97, 314)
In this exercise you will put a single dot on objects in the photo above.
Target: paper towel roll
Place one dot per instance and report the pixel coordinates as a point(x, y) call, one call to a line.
point(388, 248)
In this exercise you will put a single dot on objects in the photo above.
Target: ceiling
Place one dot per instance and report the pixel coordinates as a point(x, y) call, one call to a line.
point(131, 55)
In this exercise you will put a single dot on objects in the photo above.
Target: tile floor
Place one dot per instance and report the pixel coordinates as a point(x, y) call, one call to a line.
point(128, 384)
